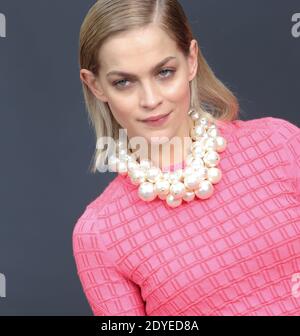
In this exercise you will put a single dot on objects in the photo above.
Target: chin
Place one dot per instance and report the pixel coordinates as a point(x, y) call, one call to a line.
point(163, 137)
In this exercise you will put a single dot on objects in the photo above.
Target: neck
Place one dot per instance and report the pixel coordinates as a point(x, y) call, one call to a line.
point(172, 152)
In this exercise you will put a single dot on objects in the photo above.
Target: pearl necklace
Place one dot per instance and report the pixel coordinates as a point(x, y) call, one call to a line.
point(195, 180)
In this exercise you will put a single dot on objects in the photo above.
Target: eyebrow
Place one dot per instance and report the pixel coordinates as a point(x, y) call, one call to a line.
point(121, 73)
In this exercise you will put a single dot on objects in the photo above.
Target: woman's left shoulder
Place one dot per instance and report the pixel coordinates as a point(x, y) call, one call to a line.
point(284, 126)
point(275, 132)
point(271, 123)
point(280, 130)
point(276, 139)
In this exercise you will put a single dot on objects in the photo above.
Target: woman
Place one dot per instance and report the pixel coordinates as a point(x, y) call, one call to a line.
point(213, 231)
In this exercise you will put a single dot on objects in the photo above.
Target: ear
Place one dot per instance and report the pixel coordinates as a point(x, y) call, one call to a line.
point(93, 84)
point(193, 59)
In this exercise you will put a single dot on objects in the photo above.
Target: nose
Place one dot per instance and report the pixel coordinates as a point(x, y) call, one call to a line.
point(150, 96)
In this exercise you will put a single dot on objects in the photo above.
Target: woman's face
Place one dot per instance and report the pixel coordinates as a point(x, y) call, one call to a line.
point(146, 89)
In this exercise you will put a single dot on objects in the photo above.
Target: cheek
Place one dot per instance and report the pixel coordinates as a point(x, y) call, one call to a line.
point(178, 91)
point(122, 118)
point(123, 114)
point(122, 110)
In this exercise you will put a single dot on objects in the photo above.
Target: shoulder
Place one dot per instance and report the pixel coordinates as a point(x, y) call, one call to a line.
point(283, 128)
point(273, 140)
point(279, 129)
point(276, 141)
point(280, 132)
point(96, 214)
point(264, 123)
point(278, 125)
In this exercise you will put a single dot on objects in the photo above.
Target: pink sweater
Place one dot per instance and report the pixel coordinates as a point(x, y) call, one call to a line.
point(236, 253)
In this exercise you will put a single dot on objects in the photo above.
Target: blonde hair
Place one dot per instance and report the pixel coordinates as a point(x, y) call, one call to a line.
point(107, 18)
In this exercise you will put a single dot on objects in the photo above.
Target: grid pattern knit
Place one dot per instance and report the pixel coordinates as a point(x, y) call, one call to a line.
point(236, 253)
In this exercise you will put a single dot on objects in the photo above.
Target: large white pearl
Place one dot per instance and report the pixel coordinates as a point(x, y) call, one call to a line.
point(189, 196)
point(204, 122)
point(166, 176)
point(197, 164)
point(162, 196)
point(205, 190)
point(211, 158)
point(210, 144)
point(172, 201)
point(122, 168)
point(199, 151)
point(198, 143)
point(177, 189)
point(212, 131)
point(201, 173)
point(214, 175)
point(162, 187)
point(147, 191)
point(131, 165)
point(188, 170)
point(179, 174)
point(221, 144)
point(153, 174)
point(173, 177)
point(195, 115)
point(199, 131)
point(137, 176)
point(191, 181)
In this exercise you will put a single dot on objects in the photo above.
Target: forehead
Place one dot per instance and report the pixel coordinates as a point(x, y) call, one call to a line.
point(140, 47)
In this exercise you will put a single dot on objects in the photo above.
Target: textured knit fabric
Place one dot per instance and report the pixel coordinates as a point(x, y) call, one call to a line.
point(236, 253)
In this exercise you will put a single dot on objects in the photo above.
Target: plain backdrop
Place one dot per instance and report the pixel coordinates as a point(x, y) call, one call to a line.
point(47, 144)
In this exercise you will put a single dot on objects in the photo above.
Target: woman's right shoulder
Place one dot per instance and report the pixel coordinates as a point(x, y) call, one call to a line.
point(97, 211)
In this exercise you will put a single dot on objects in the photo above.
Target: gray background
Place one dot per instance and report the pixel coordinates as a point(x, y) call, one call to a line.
point(46, 143)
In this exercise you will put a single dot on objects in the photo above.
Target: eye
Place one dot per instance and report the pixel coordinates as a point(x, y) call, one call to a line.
point(170, 71)
point(118, 83)
point(122, 81)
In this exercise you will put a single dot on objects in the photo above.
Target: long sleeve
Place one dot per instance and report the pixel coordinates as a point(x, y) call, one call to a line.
point(291, 136)
point(108, 292)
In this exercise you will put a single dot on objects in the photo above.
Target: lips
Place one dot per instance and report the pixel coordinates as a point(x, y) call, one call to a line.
point(156, 118)
point(158, 122)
